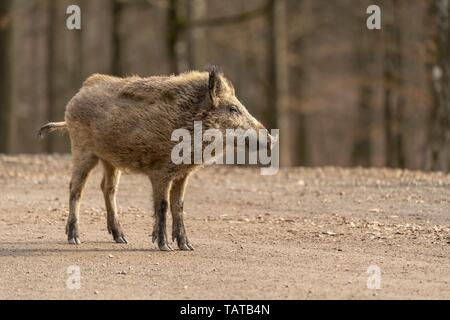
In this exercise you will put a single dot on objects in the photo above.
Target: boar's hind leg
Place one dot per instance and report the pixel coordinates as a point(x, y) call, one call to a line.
point(161, 186)
point(176, 206)
point(82, 166)
point(110, 182)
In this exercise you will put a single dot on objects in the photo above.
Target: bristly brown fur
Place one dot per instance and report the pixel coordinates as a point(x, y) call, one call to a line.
point(126, 123)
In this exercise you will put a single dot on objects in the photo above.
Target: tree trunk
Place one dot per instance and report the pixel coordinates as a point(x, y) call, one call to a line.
point(365, 61)
point(438, 66)
point(176, 47)
point(393, 88)
point(278, 76)
point(196, 37)
point(116, 52)
point(5, 73)
point(30, 74)
point(64, 67)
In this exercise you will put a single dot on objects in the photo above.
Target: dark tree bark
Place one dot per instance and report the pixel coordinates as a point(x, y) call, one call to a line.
point(30, 74)
point(278, 74)
point(115, 63)
point(174, 29)
point(365, 66)
point(393, 88)
point(296, 11)
point(438, 67)
point(361, 154)
point(65, 65)
point(5, 73)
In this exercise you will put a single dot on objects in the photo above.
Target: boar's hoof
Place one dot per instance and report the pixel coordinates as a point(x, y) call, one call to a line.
point(118, 235)
point(161, 239)
point(183, 243)
point(186, 246)
point(164, 247)
point(72, 233)
point(121, 239)
point(74, 240)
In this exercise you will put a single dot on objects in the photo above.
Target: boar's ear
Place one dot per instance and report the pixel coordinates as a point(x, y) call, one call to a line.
point(230, 87)
point(214, 83)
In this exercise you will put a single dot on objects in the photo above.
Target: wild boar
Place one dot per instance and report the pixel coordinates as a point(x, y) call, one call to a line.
point(126, 124)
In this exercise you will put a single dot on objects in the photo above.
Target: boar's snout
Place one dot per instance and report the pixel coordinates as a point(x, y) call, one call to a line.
point(264, 143)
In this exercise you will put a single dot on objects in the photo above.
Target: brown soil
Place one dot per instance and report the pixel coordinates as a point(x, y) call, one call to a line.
point(301, 234)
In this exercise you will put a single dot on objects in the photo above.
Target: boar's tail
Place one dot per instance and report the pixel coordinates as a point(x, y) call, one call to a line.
point(50, 127)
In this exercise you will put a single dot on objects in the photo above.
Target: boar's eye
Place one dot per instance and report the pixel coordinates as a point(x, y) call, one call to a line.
point(233, 109)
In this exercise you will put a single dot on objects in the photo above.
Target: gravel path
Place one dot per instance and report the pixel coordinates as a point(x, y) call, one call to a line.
point(302, 234)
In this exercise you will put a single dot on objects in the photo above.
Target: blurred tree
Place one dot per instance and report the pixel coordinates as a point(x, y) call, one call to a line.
point(438, 66)
point(394, 101)
point(278, 93)
point(174, 32)
point(5, 73)
point(352, 99)
point(65, 65)
point(296, 34)
point(115, 63)
point(140, 37)
point(361, 153)
point(365, 64)
point(196, 42)
point(96, 46)
point(29, 78)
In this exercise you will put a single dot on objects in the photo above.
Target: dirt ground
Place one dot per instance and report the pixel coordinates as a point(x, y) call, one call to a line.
point(301, 234)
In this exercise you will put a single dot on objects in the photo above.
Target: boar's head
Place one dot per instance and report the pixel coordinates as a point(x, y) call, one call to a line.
point(225, 111)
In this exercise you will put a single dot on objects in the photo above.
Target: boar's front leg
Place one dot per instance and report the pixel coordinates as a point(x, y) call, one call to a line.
point(161, 186)
point(176, 206)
